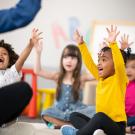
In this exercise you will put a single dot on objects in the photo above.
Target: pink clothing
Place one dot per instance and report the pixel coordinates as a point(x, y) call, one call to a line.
point(130, 99)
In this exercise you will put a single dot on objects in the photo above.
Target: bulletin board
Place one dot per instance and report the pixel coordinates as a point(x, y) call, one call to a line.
point(99, 33)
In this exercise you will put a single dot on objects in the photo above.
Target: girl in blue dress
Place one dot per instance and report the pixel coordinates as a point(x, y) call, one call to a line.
point(69, 82)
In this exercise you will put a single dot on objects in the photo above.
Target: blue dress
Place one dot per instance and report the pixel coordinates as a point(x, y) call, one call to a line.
point(66, 105)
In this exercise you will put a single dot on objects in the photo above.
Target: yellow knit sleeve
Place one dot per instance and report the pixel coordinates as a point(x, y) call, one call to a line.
point(119, 65)
point(91, 66)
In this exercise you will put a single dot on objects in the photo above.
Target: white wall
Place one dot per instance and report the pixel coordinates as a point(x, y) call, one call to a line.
point(66, 15)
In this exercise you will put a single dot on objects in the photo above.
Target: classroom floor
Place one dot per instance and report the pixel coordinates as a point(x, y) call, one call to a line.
point(32, 120)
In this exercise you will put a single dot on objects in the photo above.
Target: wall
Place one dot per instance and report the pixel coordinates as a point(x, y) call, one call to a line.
point(59, 18)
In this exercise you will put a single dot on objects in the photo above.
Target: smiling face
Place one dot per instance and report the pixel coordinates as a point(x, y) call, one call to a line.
point(105, 64)
point(4, 58)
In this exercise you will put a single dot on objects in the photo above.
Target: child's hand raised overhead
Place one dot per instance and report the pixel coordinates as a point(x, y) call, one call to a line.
point(25, 53)
point(78, 38)
point(35, 36)
point(112, 34)
point(124, 42)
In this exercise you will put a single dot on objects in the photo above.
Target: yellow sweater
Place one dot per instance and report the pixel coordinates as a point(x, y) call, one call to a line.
point(110, 92)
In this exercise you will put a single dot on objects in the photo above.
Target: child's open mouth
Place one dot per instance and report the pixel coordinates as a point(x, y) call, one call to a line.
point(129, 75)
point(1, 60)
point(100, 70)
point(68, 66)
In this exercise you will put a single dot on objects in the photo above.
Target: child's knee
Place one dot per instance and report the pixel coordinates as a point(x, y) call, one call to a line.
point(100, 116)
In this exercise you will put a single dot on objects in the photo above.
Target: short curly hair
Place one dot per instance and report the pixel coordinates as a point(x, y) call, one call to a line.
point(12, 55)
point(124, 54)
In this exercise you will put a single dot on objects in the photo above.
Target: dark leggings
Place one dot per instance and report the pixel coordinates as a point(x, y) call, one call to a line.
point(131, 121)
point(13, 99)
point(100, 120)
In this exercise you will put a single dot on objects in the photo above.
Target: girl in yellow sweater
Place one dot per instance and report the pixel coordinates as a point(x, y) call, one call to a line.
point(110, 92)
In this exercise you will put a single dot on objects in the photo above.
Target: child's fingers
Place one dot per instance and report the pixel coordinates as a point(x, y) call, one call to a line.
point(131, 43)
point(40, 38)
point(34, 30)
point(117, 33)
point(77, 34)
point(115, 29)
point(108, 31)
point(111, 28)
point(122, 38)
point(38, 34)
point(120, 42)
point(127, 38)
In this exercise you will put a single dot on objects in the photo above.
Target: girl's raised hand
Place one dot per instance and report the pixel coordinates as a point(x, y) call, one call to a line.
point(36, 36)
point(112, 34)
point(78, 38)
point(124, 42)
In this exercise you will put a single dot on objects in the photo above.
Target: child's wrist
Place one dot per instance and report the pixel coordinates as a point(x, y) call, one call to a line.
point(112, 42)
point(31, 42)
point(80, 43)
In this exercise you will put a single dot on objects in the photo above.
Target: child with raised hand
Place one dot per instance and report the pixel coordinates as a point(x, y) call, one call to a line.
point(130, 91)
point(10, 63)
point(69, 82)
point(110, 92)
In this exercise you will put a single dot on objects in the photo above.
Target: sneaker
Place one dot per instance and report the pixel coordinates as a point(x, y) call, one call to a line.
point(68, 130)
point(50, 125)
point(99, 132)
point(130, 129)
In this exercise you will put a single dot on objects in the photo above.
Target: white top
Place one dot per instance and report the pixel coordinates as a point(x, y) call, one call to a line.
point(9, 76)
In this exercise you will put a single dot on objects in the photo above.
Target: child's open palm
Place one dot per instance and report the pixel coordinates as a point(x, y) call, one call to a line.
point(124, 42)
point(35, 36)
point(112, 34)
point(78, 38)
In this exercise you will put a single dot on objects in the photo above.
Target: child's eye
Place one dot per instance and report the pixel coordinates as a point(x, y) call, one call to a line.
point(74, 57)
point(133, 67)
point(4, 53)
point(65, 56)
point(103, 59)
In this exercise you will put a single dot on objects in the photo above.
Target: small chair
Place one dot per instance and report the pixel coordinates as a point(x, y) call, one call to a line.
point(45, 98)
point(31, 109)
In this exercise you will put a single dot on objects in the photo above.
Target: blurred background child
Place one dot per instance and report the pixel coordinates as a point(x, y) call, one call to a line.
point(70, 84)
point(130, 91)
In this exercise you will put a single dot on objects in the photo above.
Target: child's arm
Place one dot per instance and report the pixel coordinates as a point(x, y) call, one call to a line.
point(86, 55)
point(119, 64)
point(34, 39)
point(124, 42)
point(19, 16)
point(37, 65)
point(86, 77)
